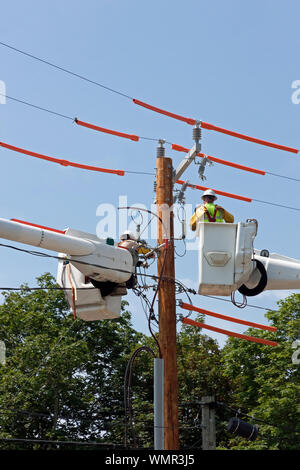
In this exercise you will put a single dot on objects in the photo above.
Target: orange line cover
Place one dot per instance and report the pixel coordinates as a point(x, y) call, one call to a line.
point(190, 121)
point(107, 131)
point(62, 162)
point(212, 127)
point(229, 333)
point(179, 148)
point(228, 318)
point(221, 193)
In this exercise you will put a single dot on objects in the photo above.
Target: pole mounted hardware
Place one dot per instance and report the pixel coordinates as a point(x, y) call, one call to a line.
point(191, 155)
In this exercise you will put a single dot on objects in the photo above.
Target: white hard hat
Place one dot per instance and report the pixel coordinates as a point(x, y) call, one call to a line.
point(127, 235)
point(209, 192)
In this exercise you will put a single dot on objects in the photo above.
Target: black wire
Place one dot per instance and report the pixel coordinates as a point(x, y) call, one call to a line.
point(239, 412)
point(151, 311)
point(282, 176)
point(55, 113)
point(145, 210)
point(65, 70)
point(127, 391)
point(139, 172)
point(46, 441)
point(152, 276)
point(46, 255)
point(38, 107)
point(186, 290)
point(227, 300)
point(102, 86)
point(93, 419)
point(184, 253)
point(277, 205)
point(45, 288)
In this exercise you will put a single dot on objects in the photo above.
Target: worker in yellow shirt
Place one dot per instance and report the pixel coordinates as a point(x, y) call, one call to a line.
point(209, 211)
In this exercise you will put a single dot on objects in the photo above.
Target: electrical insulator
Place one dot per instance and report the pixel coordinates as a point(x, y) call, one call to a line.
point(160, 151)
point(197, 133)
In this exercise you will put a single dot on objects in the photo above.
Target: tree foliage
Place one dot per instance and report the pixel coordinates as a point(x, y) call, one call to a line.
point(266, 381)
point(64, 378)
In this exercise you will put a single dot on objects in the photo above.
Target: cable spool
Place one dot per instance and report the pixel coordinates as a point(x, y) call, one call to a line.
point(243, 429)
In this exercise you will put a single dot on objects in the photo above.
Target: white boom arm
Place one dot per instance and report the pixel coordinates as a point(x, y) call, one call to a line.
point(88, 258)
point(228, 262)
point(282, 272)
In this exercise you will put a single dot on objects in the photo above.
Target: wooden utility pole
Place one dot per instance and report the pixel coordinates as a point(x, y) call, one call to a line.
point(166, 297)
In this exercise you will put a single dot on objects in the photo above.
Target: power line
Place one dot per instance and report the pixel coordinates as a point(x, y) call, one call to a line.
point(37, 107)
point(44, 288)
point(70, 72)
point(46, 255)
point(277, 205)
point(239, 412)
point(55, 113)
point(92, 420)
point(190, 121)
point(61, 442)
point(282, 176)
point(152, 139)
point(227, 300)
point(139, 294)
point(127, 391)
point(152, 276)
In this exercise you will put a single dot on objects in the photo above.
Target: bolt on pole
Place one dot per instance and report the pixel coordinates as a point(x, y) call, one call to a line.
point(166, 296)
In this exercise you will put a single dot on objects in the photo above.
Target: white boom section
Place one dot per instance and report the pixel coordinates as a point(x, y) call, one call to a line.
point(185, 163)
point(35, 236)
point(87, 257)
point(84, 300)
point(106, 263)
point(225, 254)
point(94, 257)
point(282, 272)
point(228, 262)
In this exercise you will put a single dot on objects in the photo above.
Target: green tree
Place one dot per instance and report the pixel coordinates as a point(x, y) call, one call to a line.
point(63, 377)
point(200, 373)
point(267, 380)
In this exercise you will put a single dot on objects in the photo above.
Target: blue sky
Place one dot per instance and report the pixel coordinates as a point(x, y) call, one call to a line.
point(228, 63)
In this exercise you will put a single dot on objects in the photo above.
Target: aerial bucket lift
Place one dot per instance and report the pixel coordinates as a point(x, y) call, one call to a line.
point(229, 262)
point(88, 269)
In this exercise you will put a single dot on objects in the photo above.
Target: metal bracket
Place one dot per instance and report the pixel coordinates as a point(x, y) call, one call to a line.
point(185, 163)
point(191, 155)
point(180, 197)
point(202, 165)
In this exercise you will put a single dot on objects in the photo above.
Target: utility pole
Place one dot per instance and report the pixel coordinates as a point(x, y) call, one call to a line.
point(166, 296)
point(208, 423)
point(165, 179)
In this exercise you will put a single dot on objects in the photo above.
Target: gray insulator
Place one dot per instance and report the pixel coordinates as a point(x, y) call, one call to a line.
point(197, 133)
point(160, 151)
